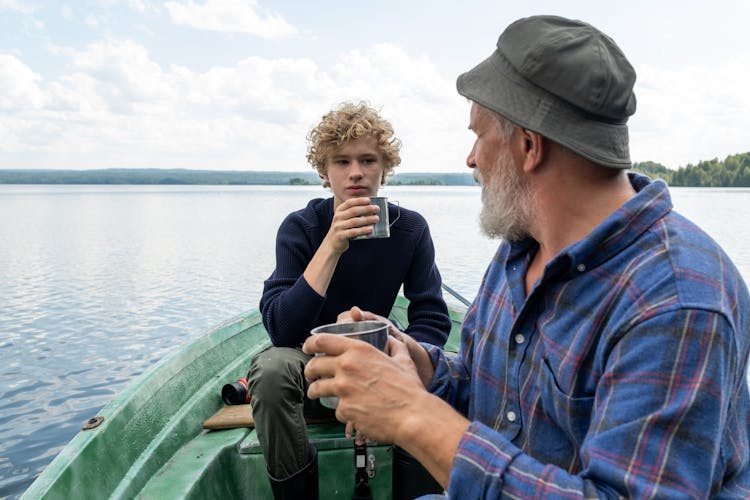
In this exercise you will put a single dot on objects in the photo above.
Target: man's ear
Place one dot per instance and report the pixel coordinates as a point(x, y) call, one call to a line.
point(531, 146)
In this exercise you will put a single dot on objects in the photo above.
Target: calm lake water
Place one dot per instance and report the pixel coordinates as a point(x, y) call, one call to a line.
point(97, 283)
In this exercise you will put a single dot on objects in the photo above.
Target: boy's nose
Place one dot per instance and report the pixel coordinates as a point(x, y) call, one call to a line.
point(355, 170)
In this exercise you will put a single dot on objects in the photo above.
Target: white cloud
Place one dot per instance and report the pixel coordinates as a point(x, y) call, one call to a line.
point(230, 16)
point(17, 5)
point(19, 85)
point(91, 21)
point(427, 112)
point(138, 5)
point(691, 114)
point(67, 13)
point(124, 70)
point(118, 107)
point(104, 101)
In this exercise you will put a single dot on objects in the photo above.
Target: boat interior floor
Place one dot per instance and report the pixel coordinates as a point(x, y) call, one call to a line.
point(235, 456)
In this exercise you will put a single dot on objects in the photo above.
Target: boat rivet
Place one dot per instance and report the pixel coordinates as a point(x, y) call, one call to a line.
point(92, 423)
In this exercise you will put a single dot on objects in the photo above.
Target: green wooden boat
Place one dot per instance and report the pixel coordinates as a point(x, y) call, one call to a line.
point(149, 441)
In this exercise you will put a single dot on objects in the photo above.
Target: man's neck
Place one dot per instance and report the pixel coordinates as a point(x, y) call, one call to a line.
point(568, 205)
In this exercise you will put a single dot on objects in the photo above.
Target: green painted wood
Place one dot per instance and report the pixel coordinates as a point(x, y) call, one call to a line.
point(151, 443)
point(206, 467)
point(153, 417)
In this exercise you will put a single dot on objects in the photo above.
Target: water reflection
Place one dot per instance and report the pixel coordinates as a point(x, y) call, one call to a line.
point(100, 282)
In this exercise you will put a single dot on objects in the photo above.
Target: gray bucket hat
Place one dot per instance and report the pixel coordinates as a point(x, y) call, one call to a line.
point(563, 79)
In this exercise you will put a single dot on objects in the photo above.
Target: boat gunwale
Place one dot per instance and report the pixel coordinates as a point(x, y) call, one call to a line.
point(184, 425)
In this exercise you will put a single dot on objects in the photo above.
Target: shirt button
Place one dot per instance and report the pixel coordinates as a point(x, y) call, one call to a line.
point(519, 338)
point(581, 267)
point(511, 416)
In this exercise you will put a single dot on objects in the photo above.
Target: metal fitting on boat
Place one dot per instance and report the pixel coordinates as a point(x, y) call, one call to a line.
point(92, 423)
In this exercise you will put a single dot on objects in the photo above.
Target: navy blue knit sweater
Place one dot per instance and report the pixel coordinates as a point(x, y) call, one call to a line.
point(369, 275)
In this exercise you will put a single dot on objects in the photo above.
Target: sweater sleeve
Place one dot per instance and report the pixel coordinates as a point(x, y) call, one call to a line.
point(428, 314)
point(289, 306)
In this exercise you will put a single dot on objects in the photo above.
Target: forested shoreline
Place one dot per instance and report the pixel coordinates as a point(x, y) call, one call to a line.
point(733, 171)
point(155, 176)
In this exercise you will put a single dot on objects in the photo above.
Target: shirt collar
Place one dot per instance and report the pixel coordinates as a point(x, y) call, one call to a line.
point(615, 233)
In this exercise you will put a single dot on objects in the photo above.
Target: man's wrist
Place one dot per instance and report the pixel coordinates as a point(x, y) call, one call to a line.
point(412, 425)
point(435, 450)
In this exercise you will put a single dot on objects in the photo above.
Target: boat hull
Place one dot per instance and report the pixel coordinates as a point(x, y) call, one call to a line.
point(150, 442)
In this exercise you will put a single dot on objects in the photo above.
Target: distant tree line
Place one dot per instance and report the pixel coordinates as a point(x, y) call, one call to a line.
point(208, 177)
point(734, 171)
point(157, 176)
point(434, 179)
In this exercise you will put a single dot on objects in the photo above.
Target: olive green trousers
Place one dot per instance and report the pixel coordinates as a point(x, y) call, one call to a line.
point(278, 388)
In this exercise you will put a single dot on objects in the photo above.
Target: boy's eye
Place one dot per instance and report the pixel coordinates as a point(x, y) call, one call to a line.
point(368, 161)
point(341, 162)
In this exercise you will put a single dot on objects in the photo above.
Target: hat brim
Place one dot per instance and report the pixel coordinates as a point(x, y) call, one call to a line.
point(496, 85)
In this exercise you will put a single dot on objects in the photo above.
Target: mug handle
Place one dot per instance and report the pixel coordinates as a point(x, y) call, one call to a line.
point(399, 213)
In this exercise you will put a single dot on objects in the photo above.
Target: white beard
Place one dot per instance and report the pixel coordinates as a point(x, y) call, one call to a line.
point(506, 201)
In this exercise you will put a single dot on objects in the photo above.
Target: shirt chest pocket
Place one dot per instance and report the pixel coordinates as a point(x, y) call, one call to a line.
point(570, 413)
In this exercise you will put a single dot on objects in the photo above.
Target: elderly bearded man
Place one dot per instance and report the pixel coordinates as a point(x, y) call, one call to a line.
point(606, 352)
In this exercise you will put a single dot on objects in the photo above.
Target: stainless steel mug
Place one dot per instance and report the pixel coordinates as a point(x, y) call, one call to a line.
point(382, 229)
point(374, 332)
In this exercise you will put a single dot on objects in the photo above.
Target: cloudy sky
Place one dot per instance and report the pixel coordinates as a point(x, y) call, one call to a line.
point(236, 84)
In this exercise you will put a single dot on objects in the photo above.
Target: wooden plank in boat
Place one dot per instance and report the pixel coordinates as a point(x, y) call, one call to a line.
point(234, 416)
point(231, 417)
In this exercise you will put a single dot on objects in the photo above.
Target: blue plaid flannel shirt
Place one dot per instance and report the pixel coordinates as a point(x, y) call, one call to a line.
point(621, 374)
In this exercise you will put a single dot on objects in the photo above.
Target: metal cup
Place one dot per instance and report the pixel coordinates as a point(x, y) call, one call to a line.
point(374, 332)
point(382, 228)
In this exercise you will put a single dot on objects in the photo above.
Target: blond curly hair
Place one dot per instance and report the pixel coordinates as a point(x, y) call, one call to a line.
point(346, 123)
